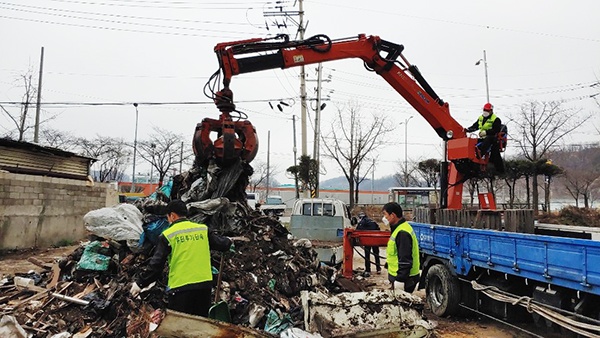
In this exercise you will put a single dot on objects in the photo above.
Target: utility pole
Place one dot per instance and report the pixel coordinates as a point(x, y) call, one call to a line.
point(303, 118)
point(485, 66)
point(289, 15)
point(134, 148)
point(39, 99)
point(316, 150)
point(268, 161)
point(295, 158)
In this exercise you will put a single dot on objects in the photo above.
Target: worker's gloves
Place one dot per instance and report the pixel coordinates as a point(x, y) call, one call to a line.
point(214, 270)
point(482, 133)
point(232, 247)
point(135, 290)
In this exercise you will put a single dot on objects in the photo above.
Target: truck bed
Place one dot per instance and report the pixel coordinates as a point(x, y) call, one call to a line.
point(567, 262)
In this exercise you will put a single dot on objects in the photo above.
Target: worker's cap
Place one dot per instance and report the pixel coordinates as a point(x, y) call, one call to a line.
point(488, 107)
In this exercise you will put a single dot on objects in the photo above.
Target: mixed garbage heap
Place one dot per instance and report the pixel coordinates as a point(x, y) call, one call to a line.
point(87, 293)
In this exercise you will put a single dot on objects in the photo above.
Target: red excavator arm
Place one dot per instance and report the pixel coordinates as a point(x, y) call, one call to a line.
point(384, 58)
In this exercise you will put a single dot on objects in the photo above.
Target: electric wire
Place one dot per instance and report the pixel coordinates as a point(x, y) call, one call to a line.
point(116, 29)
point(533, 307)
point(127, 16)
point(125, 22)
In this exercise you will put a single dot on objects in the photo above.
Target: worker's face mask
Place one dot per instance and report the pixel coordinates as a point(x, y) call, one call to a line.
point(385, 221)
point(486, 113)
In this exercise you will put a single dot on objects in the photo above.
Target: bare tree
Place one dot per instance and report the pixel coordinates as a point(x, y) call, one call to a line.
point(22, 118)
point(405, 175)
point(351, 140)
point(259, 177)
point(58, 139)
point(163, 150)
point(541, 125)
point(112, 155)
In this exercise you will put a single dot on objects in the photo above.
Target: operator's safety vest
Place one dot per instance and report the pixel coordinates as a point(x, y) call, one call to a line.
point(189, 261)
point(392, 251)
point(488, 123)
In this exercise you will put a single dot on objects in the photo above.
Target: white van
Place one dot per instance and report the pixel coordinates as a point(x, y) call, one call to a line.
point(252, 198)
point(322, 220)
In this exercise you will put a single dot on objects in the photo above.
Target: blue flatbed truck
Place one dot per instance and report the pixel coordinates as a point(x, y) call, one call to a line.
point(512, 277)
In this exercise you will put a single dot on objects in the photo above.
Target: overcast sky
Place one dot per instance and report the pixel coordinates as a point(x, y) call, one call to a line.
point(162, 51)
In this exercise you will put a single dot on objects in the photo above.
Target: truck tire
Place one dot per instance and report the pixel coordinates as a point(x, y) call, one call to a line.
point(443, 291)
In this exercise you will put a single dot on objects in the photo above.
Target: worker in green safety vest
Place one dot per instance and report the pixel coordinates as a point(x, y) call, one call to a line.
point(186, 245)
point(402, 249)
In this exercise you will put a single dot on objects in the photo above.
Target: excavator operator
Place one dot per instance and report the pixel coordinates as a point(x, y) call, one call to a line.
point(489, 125)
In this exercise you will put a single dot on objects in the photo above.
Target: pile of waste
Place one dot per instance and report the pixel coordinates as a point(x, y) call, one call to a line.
point(87, 293)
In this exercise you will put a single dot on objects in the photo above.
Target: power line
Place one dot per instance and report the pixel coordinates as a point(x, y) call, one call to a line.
point(485, 26)
point(116, 29)
point(121, 22)
point(184, 5)
point(129, 16)
point(80, 104)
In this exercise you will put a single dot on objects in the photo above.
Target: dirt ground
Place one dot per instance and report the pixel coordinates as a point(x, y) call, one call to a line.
point(16, 262)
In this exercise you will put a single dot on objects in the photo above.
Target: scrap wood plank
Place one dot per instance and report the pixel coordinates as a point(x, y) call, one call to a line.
point(39, 263)
point(55, 276)
point(38, 295)
point(89, 288)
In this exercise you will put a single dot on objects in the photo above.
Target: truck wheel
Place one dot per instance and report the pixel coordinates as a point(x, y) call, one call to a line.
point(443, 291)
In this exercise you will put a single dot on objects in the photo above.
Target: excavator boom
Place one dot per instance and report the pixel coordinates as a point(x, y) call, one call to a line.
point(383, 57)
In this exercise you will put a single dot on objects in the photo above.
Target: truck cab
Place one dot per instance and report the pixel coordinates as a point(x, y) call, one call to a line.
point(321, 220)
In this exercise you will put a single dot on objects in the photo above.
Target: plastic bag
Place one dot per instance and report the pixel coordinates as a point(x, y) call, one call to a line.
point(94, 258)
point(122, 222)
point(153, 230)
point(295, 332)
point(275, 324)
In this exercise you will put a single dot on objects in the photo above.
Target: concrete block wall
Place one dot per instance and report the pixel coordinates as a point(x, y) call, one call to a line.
point(38, 211)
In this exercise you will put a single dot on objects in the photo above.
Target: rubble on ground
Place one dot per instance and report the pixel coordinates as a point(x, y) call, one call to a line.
point(87, 293)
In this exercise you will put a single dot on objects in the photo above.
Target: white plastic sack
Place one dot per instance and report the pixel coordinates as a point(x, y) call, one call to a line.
point(295, 332)
point(10, 328)
point(62, 335)
point(122, 222)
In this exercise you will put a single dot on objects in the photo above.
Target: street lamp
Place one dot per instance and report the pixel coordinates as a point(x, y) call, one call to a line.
point(487, 88)
point(406, 150)
point(134, 147)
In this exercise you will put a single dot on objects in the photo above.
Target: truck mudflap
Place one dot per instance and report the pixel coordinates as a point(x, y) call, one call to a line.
point(377, 313)
point(182, 325)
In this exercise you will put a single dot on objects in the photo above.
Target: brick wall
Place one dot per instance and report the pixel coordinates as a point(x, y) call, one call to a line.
point(37, 211)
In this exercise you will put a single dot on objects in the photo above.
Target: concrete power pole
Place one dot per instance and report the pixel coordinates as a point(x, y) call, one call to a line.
point(316, 150)
point(36, 132)
point(295, 157)
point(303, 118)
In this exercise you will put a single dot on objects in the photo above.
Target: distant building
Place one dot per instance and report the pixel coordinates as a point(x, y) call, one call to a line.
point(413, 197)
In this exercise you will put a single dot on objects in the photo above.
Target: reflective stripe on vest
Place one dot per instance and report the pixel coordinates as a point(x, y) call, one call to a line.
point(488, 123)
point(392, 251)
point(189, 261)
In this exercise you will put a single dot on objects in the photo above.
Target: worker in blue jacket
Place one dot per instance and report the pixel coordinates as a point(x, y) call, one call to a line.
point(365, 223)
